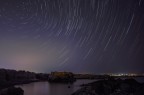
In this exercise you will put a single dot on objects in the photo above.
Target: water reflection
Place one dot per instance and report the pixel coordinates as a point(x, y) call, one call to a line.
point(63, 89)
point(46, 88)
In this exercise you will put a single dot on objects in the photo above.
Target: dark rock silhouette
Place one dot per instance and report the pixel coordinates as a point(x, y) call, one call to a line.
point(12, 91)
point(12, 77)
point(112, 87)
point(64, 77)
point(41, 76)
point(140, 91)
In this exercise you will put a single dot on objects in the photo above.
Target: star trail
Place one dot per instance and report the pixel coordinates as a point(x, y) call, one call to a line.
point(85, 36)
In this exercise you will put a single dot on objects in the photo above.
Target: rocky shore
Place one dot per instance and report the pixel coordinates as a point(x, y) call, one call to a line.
point(112, 87)
point(9, 78)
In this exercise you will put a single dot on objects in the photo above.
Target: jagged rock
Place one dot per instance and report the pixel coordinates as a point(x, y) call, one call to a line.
point(112, 87)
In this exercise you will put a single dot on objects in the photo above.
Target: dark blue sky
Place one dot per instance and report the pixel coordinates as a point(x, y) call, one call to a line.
point(83, 36)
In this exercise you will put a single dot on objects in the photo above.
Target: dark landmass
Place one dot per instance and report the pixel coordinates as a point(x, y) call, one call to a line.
point(12, 91)
point(9, 78)
point(112, 86)
point(107, 85)
point(62, 77)
point(90, 76)
point(105, 76)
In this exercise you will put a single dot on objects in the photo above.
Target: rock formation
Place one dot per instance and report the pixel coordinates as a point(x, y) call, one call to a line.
point(112, 87)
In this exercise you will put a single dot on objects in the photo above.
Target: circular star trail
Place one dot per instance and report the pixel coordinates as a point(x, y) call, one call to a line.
point(95, 36)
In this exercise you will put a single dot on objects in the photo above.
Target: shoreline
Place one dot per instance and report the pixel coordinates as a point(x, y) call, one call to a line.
point(112, 87)
point(10, 78)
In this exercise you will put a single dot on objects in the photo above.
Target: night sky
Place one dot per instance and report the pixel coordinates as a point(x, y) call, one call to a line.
point(82, 36)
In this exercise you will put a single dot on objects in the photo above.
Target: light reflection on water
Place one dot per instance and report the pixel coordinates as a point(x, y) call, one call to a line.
point(46, 88)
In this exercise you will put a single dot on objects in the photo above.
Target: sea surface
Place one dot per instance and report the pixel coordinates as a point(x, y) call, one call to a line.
point(46, 88)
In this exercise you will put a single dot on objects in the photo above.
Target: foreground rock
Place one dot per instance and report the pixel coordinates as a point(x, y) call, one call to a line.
point(12, 91)
point(112, 87)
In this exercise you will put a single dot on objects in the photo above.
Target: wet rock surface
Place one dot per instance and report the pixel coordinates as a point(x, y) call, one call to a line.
point(112, 87)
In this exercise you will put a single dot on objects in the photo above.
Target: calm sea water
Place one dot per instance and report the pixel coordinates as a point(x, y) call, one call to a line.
point(46, 88)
